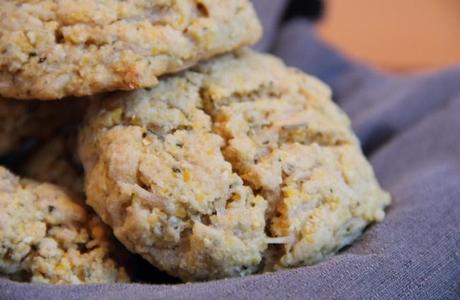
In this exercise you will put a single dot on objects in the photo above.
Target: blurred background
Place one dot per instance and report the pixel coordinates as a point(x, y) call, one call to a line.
point(394, 35)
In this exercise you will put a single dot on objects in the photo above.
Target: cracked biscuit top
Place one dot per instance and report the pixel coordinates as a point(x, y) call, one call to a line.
point(236, 166)
point(56, 48)
point(46, 236)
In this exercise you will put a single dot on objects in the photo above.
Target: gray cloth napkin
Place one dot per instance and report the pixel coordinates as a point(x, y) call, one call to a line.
point(410, 127)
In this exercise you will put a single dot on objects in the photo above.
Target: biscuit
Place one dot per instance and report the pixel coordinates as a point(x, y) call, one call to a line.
point(34, 120)
point(237, 166)
point(56, 48)
point(46, 236)
point(56, 161)
point(166, 189)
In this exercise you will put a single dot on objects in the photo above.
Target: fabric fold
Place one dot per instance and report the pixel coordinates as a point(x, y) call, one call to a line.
point(411, 125)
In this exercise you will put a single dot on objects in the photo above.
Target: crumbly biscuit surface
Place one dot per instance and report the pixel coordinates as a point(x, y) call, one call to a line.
point(45, 236)
point(236, 166)
point(56, 48)
point(157, 175)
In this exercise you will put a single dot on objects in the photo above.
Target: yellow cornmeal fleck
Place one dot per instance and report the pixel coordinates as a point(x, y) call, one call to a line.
point(146, 141)
point(153, 218)
point(290, 192)
point(85, 60)
point(77, 16)
point(24, 44)
point(186, 175)
point(135, 120)
point(200, 197)
point(111, 118)
point(181, 212)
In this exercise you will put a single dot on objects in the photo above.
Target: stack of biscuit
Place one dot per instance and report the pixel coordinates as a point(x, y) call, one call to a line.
point(153, 125)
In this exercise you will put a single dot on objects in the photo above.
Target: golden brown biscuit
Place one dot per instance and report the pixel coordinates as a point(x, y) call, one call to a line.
point(236, 166)
point(56, 48)
point(46, 236)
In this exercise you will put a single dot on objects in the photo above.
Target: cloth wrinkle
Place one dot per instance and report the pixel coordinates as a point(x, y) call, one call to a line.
point(410, 126)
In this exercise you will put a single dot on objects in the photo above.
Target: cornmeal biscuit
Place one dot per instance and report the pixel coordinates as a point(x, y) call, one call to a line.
point(157, 176)
point(34, 120)
point(237, 166)
point(46, 236)
point(56, 48)
point(57, 162)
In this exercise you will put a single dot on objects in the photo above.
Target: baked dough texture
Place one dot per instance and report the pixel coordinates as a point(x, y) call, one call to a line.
point(236, 166)
point(35, 120)
point(51, 49)
point(46, 236)
point(56, 161)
